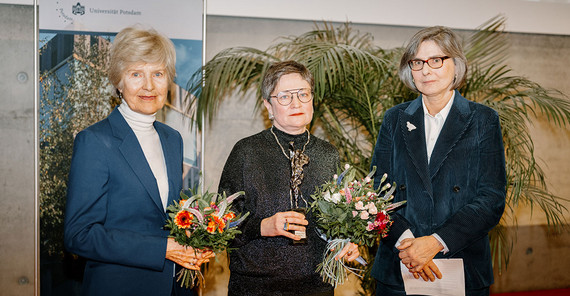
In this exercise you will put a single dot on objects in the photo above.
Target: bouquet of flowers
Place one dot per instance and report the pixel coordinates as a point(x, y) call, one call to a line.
point(350, 210)
point(203, 221)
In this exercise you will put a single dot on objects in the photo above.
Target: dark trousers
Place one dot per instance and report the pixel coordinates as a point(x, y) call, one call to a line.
point(387, 290)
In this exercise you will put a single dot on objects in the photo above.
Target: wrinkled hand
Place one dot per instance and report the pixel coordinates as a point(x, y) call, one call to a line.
point(350, 252)
point(186, 257)
point(274, 225)
point(415, 253)
point(429, 272)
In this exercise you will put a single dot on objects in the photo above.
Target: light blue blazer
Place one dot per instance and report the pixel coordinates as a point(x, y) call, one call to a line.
point(460, 194)
point(114, 215)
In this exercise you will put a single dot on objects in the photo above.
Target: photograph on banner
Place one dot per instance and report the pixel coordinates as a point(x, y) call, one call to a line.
point(100, 20)
point(74, 43)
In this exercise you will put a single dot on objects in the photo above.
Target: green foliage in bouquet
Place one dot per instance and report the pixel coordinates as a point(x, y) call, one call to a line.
point(203, 221)
point(348, 208)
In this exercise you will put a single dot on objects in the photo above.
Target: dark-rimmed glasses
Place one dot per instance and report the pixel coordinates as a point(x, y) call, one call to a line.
point(434, 63)
point(284, 98)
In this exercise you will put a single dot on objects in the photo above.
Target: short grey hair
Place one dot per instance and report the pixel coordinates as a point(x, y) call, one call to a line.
point(134, 45)
point(449, 43)
point(279, 69)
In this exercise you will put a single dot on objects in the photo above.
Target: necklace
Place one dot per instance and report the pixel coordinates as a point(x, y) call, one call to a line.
point(297, 159)
point(283, 150)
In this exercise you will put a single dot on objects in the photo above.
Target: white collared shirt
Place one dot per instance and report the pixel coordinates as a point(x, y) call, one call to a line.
point(434, 124)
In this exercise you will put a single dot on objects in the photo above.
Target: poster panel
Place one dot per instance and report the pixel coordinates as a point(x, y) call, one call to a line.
point(180, 20)
point(74, 40)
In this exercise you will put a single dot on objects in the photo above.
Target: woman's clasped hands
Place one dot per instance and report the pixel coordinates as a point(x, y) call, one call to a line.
point(417, 254)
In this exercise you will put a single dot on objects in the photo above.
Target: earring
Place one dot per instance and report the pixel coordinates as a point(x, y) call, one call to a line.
point(271, 117)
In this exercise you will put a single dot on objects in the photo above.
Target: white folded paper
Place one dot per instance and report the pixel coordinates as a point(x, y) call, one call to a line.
point(452, 282)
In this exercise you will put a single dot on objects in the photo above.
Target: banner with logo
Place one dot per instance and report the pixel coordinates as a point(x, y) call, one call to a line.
point(177, 19)
point(61, 21)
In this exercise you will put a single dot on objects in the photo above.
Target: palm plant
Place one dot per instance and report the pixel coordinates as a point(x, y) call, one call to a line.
point(356, 82)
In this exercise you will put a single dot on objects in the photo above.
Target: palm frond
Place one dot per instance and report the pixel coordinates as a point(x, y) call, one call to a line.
point(234, 69)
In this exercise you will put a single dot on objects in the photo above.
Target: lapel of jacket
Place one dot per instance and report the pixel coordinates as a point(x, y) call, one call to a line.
point(133, 154)
point(171, 157)
point(453, 129)
point(415, 139)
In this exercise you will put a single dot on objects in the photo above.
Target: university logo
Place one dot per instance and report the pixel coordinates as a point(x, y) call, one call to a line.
point(78, 9)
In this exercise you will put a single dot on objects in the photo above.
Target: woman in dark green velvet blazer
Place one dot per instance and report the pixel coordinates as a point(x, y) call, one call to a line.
point(446, 155)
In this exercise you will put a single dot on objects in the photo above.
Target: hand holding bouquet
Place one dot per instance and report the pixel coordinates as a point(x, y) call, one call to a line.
point(204, 221)
point(350, 210)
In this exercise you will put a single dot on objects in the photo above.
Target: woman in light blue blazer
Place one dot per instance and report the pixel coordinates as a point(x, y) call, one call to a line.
point(125, 170)
point(446, 155)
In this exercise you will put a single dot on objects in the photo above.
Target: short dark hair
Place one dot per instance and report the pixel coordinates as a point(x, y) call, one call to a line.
point(449, 43)
point(277, 70)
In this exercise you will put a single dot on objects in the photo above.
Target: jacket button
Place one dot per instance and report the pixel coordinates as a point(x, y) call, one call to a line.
point(456, 188)
point(403, 187)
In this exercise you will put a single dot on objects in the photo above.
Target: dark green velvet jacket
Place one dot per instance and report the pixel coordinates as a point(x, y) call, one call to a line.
point(460, 194)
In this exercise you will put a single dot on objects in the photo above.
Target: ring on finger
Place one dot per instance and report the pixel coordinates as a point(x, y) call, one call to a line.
point(286, 226)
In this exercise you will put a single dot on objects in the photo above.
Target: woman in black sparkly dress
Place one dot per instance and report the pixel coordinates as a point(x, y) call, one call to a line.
point(278, 169)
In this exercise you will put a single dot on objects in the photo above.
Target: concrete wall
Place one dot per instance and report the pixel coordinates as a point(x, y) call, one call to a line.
point(17, 150)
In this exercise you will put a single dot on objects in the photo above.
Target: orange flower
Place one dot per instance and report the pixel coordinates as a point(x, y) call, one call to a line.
point(229, 216)
point(181, 202)
point(211, 227)
point(183, 219)
point(220, 223)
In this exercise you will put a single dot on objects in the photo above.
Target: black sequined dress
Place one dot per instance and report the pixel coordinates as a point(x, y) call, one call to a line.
point(272, 265)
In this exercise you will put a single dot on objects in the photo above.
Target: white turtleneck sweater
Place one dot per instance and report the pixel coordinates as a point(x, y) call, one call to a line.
point(149, 140)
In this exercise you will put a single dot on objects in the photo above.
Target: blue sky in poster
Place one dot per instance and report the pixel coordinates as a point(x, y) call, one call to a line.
point(188, 59)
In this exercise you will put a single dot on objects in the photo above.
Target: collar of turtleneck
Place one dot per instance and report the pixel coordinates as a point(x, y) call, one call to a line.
point(137, 121)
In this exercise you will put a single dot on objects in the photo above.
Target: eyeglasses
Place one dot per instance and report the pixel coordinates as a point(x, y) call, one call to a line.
point(285, 97)
point(434, 63)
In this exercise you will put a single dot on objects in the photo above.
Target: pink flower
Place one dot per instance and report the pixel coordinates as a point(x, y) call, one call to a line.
point(370, 226)
point(364, 215)
point(354, 213)
point(348, 195)
point(372, 208)
point(359, 205)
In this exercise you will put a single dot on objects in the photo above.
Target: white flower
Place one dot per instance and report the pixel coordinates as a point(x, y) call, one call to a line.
point(359, 205)
point(354, 213)
point(336, 197)
point(367, 180)
point(410, 126)
point(346, 166)
point(364, 215)
point(335, 176)
point(327, 196)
